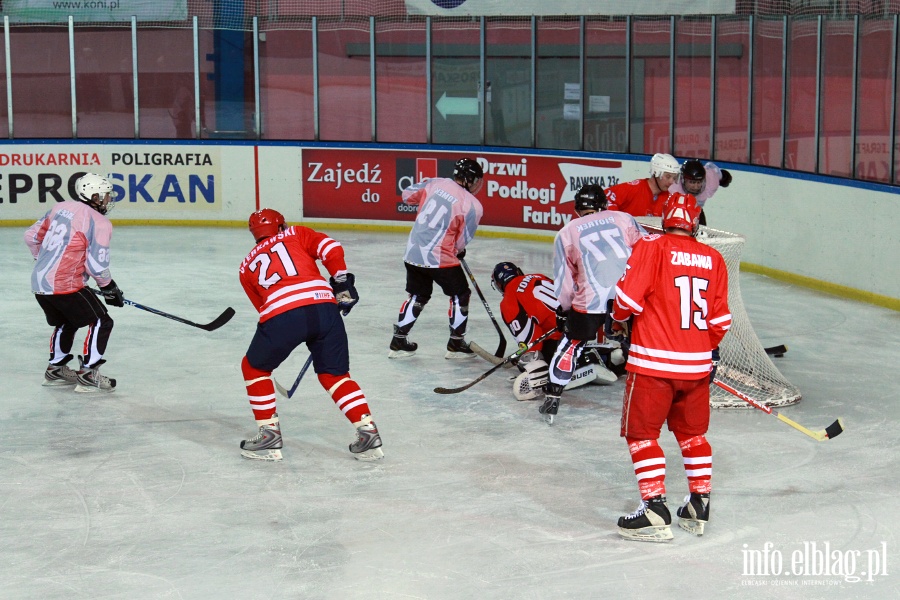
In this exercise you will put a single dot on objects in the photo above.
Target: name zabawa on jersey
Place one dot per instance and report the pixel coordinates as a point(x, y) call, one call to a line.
point(692, 260)
point(161, 159)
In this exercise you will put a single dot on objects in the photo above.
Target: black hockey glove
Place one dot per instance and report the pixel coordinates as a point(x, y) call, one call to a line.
point(461, 254)
point(617, 331)
point(715, 365)
point(562, 316)
point(112, 295)
point(344, 292)
point(725, 181)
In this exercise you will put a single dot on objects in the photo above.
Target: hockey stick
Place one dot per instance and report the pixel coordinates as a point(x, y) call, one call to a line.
point(829, 432)
point(501, 349)
point(211, 326)
point(516, 354)
point(777, 351)
point(289, 393)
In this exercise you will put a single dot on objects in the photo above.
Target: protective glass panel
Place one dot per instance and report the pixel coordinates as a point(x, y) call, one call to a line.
point(456, 72)
point(508, 82)
point(286, 85)
point(400, 82)
point(166, 83)
point(559, 92)
point(605, 129)
point(104, 83)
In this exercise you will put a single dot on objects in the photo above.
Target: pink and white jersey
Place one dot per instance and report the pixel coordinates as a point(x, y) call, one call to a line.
point(447, 220)
point(70, 243)
point(710, 184)
point(590, 256)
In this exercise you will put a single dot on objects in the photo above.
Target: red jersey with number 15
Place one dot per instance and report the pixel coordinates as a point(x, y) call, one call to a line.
point(281, 272)
point(677, 288)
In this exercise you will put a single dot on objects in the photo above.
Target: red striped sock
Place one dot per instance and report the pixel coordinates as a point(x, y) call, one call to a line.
point(649, 466)
point(260, 390)
point(697, 455)
point(346, 394)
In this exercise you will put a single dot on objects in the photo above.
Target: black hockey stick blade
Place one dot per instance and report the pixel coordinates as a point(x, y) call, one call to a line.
point(219, 321)
point(290, 393)
point(777, 351)
point(835, 429)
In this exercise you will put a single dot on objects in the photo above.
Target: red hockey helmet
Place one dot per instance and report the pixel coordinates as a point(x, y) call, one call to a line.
point(265, 223)
point(681, 212)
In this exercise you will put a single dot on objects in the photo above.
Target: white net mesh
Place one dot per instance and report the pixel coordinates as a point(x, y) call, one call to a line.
point(295, 14)
point(743, 364)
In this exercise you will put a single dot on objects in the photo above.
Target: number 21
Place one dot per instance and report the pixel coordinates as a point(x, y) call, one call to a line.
point(263, 262)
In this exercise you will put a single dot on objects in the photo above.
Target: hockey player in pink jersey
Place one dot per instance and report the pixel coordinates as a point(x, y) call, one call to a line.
point(448, 216)
point(70, 244)
point(590, 255)
point(702, 181)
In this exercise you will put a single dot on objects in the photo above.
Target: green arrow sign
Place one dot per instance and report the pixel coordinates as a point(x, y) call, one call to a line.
point(456, 106)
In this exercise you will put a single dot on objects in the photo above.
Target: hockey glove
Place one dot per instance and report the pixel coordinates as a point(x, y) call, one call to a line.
point(344, 292)
point(112, 295)
point(618, 331)
point(715, 365)
point(725, 180)
point(562, 316)
point(461, 254)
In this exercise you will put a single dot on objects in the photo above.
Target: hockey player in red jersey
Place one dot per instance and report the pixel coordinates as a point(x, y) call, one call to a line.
point(448, 217)
point(676, 290)
point(529, 308)
point(296, 306)
point(69, 244)
point(646, 197)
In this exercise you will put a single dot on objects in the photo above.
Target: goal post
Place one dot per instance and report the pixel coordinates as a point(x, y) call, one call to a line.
point(743, 362)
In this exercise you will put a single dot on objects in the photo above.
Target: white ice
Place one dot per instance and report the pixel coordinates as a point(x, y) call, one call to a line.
point(143, 494)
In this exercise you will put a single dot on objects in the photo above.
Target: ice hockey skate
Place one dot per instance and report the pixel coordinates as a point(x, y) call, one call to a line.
point(367, 446)
point(694, 514)
point(89, 380)
point(550, 407)
point(401, 347)
point(267, 443)
point(59, 374)
point(649, 523)
point(458, 348)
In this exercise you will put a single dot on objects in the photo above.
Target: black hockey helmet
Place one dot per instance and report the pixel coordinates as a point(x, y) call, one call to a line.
point(693, 169)
point(590, 197)
point(504, 273)
point(467, 172)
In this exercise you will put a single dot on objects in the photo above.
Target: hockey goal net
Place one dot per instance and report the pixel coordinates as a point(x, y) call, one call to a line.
point(743, 362)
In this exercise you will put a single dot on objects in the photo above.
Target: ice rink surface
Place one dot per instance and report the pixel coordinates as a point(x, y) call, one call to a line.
point(142, 494)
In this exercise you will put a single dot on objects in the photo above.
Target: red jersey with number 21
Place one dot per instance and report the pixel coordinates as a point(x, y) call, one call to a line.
point(677, 288)
point(281, 272)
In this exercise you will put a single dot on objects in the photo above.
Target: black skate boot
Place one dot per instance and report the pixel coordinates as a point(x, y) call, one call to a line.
point(649, 523)
point(552, 393)
point(400, 346)
point(458, 348)
point(694, 514)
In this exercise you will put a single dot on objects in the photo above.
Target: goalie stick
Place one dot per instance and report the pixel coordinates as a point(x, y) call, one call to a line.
point(516, 354)
point(289, 393)
point(501, 349)
point(211, 326)
point(829, 432)
point(496, 360)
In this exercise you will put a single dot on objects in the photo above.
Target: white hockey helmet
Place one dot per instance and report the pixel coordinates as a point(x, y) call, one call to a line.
point(95, 191)
point(664, 163)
